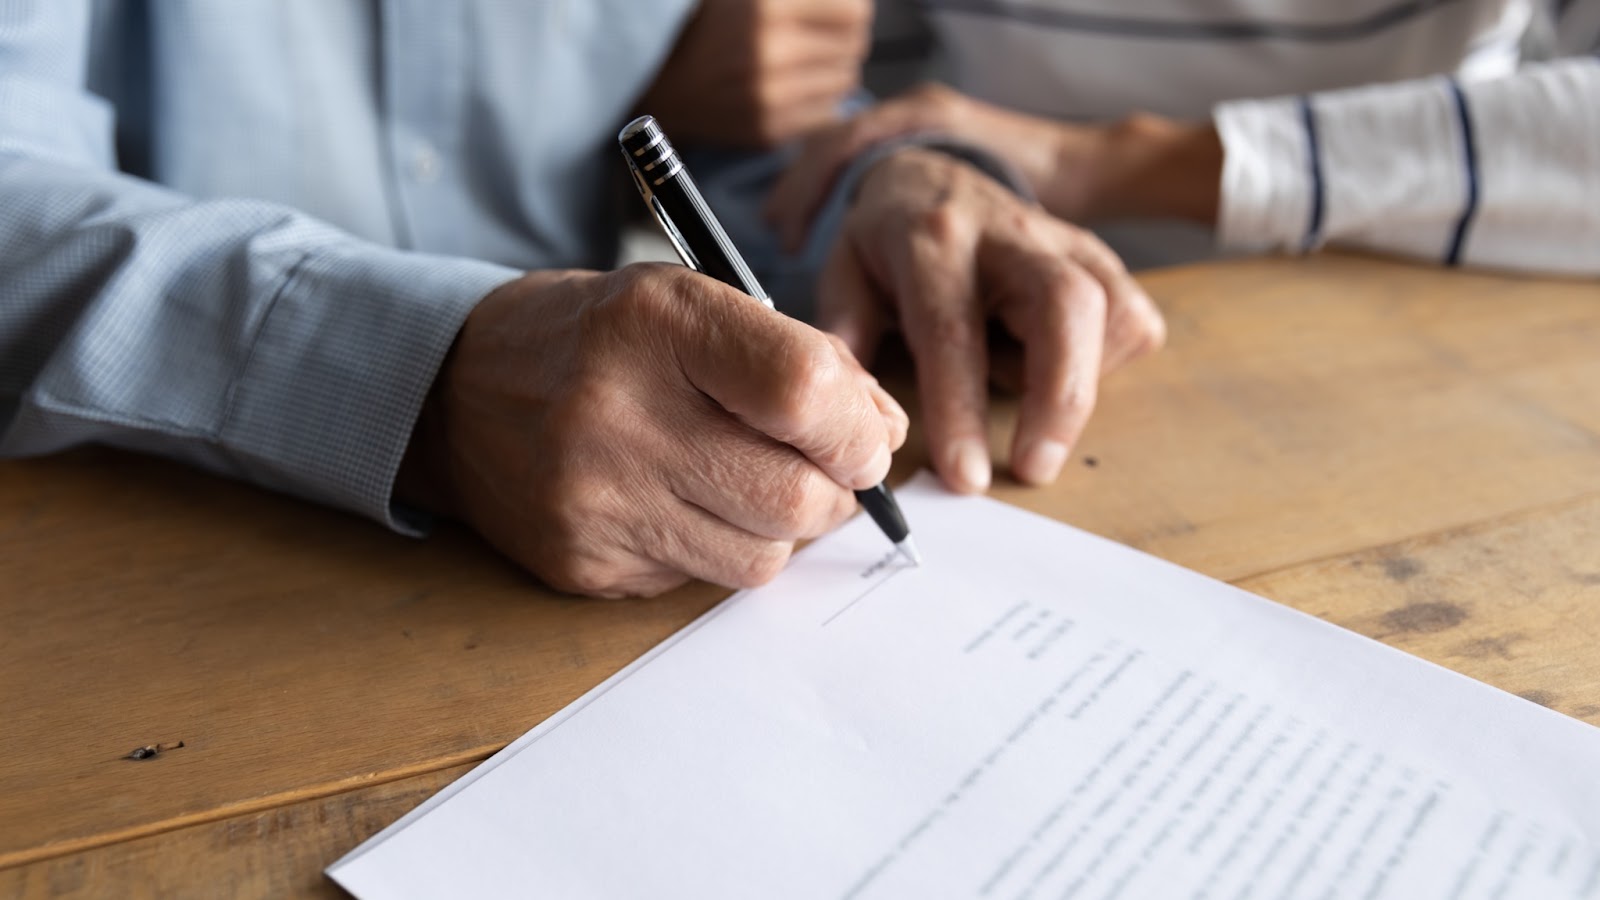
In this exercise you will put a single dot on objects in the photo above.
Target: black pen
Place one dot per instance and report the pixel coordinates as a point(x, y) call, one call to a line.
point(704, 246)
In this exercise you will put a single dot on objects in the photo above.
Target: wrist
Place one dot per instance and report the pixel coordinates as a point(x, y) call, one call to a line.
point(423, 480)
point(1145, 166)
point(893, 165)
point(426, 478)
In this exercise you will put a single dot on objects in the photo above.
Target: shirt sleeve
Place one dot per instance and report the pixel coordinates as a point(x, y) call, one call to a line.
point(235, 335)
point(1503, 172)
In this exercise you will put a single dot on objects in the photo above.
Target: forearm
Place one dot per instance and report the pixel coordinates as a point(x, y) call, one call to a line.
point(1144, 166)
point(234, 335)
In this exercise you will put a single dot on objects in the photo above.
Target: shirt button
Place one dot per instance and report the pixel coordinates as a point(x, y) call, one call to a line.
point(425, 165)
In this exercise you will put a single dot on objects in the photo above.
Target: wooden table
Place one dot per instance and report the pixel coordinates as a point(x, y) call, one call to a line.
point(1410, 453)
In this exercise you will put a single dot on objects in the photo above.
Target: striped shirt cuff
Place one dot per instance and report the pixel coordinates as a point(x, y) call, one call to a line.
point(1386, 167)
point(1267, 178)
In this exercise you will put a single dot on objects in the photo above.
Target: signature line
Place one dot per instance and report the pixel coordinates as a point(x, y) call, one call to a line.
point(863, 595)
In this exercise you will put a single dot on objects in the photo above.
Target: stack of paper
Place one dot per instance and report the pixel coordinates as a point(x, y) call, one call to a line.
point(1035, 713)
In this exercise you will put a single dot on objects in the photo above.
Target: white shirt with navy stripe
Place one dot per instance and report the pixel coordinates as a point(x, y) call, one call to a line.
point(1405, 126)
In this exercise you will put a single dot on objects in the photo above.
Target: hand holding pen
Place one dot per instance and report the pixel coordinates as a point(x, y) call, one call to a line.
point(588, 429)
point(688, 222)
point(587, 425)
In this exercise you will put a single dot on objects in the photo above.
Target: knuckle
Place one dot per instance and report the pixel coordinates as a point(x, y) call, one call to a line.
point(1106, 258)
point(1155, 332)
point(636, 276)
point(808, 375)
point(1135, 324)
point(572, 501)
point(645, 583)
point(582, 573)
point(639, 291)
point(1021, 221)
point(790, 502)
point(1042, 229)
point(1085, 244)
point(763, 563)
point(943, 222)
point(1078, 399)
point(802, 501)
point(1078, 288)
point(1147, 330)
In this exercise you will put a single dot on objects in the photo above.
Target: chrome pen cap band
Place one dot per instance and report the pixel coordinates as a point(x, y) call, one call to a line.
point(650, 155)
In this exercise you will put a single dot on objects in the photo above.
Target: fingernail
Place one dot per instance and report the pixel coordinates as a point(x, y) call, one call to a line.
point(876, 471)
point(1042, 462)
point(970, 460)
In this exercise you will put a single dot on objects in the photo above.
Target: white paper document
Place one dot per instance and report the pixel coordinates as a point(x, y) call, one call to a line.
point(1035, 713)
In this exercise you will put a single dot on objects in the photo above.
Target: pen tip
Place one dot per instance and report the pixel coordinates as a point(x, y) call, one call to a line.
point(908, 549)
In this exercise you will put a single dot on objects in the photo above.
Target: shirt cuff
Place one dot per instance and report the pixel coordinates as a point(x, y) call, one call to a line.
point(1384, 167)
point(336, 377)
point(1267, 177)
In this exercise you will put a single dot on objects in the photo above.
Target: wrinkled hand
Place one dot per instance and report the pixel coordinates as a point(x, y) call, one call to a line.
point(1139, 166)
point(756, 73)
point(938, 248)
point(619, 433)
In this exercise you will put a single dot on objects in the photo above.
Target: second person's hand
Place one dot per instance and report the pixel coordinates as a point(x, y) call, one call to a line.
point(756, 73)
point(936, 248)
point(1141, 166)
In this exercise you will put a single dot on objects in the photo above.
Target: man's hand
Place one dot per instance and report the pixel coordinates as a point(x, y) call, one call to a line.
point(619, 433)
point(757, 73)
point(939, 248)
point(1142, 166)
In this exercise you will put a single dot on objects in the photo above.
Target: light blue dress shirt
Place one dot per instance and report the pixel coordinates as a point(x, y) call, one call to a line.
point(244, 233)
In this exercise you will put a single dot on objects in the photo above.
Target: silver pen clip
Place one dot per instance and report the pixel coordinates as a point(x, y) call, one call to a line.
point(665, 221)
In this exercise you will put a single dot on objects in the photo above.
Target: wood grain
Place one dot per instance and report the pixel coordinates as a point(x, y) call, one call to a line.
point(1304, 411)
point(279, 852)
point(295, 651)
point(1515, 603)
